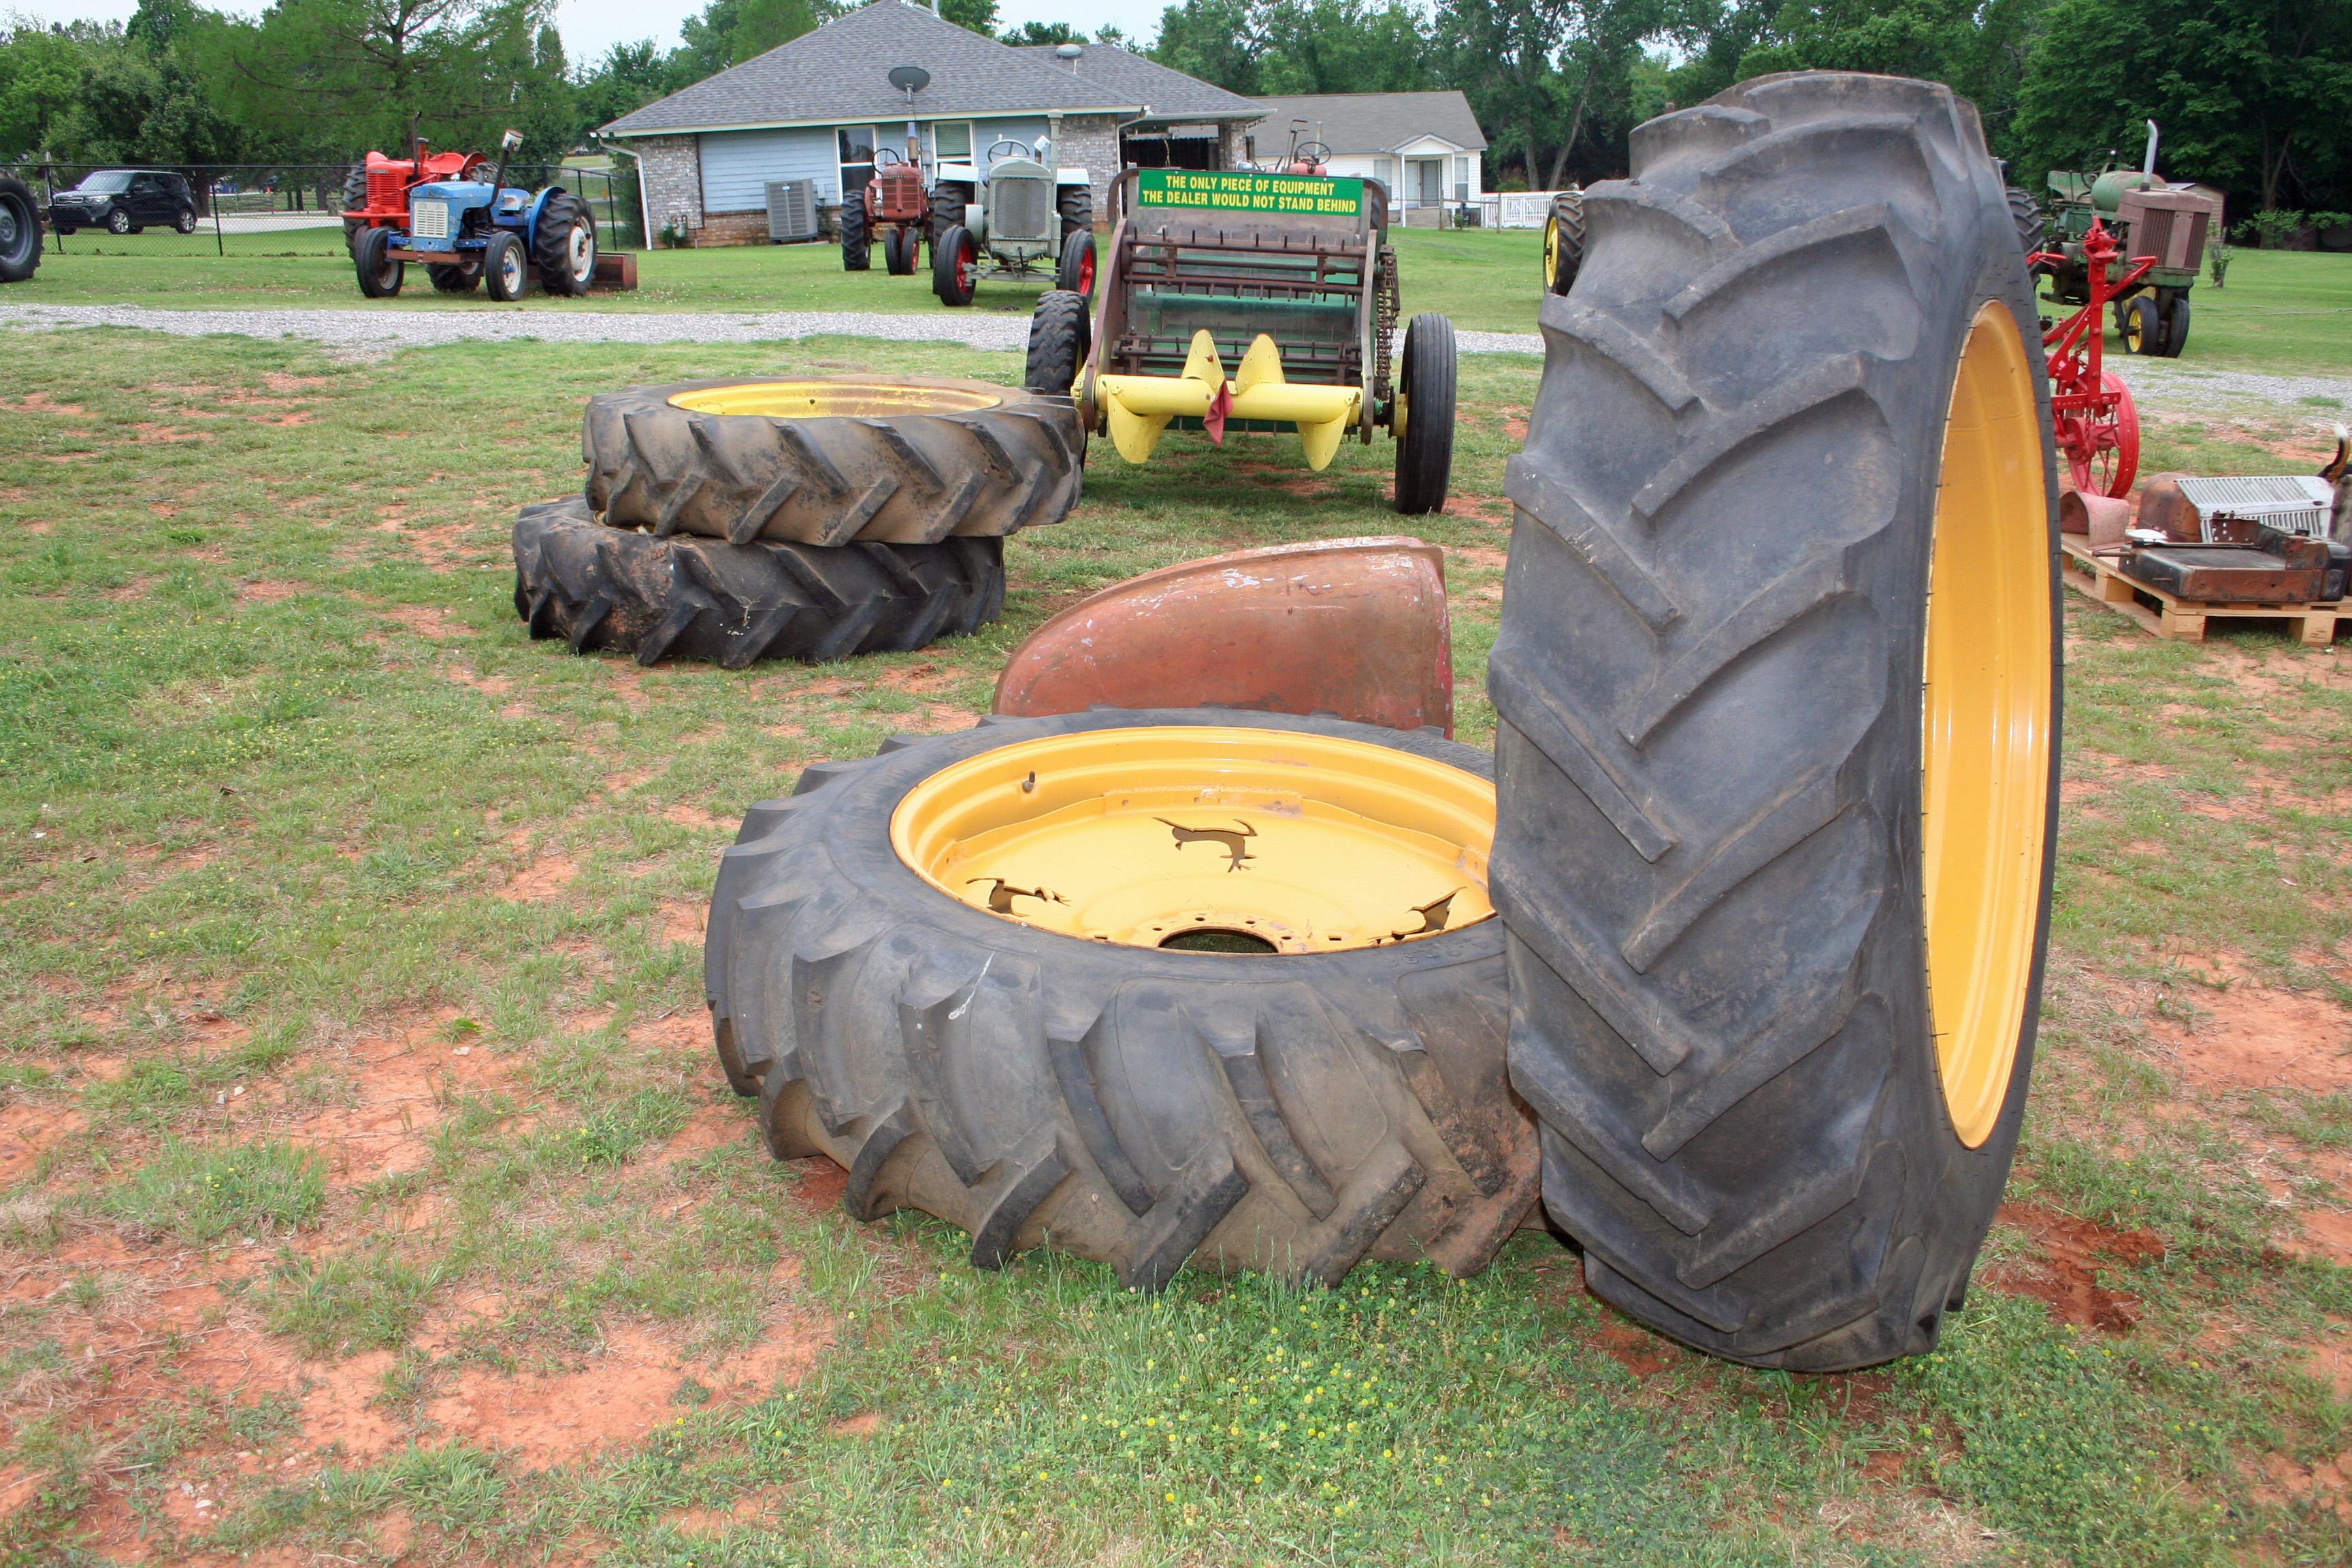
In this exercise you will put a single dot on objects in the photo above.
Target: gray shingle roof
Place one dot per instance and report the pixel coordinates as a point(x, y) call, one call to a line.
point(1370, 122)
point(1170, 94)
point(838, 72)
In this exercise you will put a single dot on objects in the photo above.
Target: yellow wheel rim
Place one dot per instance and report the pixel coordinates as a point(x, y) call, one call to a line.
point(2131, 333)
point(1985, 730)
point(1215, 839)
point(1551, 250)
point(833, 399)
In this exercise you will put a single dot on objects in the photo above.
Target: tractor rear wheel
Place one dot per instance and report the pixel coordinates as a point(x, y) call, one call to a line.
point(1778, 679)
point(906, 461)
point(462, 279)
point(1423, 422)
point(601, 587)
point(1058, 339)
point(20, 231)
point(1077, 206)
point(379, 277)
point(856, 241)
point(1563, 247)
point(948, 204)
point(563, 245)
point(354, 200)
point(955, 266)
point(2025, 216)
point(939, 1021)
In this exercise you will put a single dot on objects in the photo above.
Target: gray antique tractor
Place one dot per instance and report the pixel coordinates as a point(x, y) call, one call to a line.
point(1003, 224)
point(466, 230)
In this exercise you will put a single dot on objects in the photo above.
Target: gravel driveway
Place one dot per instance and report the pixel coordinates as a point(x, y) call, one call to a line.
point(2160, 385)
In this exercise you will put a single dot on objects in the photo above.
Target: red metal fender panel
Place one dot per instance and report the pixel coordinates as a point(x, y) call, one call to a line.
point(1355, 628)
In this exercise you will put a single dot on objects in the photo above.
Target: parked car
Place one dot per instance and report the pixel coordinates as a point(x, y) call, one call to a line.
point(124, 201)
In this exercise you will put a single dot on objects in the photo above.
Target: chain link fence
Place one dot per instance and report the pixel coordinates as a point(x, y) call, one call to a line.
point(220, 210)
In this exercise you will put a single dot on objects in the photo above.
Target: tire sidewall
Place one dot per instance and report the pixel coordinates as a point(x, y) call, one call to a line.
point(1956, 1207)
point(858, 836)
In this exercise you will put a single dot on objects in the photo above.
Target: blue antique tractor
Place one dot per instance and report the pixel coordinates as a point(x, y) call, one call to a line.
point(465, 230)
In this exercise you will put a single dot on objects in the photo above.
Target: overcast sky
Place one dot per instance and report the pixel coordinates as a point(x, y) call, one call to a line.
point(592, 26)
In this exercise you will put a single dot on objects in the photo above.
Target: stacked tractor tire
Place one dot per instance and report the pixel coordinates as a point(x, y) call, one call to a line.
point(1737, 979)
point(741, 520)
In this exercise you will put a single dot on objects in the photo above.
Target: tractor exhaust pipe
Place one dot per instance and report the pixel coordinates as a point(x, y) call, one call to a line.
point(506, 144)
point(2148, 165)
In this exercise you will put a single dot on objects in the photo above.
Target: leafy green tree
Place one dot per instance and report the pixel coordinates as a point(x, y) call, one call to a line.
point(2251, 94)
point(1552, 81)
point(41, 76)
point(979, 16)
point(1215, 40)
point(1030, 34)
point(1298, 46)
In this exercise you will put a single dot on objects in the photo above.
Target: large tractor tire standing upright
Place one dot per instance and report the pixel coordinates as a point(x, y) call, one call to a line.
point(1779, 682)
point(20, 231)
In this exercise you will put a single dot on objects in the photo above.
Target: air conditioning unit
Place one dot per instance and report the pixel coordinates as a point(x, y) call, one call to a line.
point(792, 210)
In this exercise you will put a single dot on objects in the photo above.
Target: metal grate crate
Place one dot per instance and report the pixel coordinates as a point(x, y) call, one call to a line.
point(2292, 504)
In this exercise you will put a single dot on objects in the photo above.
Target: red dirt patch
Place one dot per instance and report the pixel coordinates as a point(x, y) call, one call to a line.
point(267, 592)
point(26, 1129)
point(682, 919)
point(820, 1184)
point(424, 620)
point(540, 879)
point(1630, 1346)
point(2063, 1273)
point(625, 1391)
point(692, 817)
point(2258, 1037)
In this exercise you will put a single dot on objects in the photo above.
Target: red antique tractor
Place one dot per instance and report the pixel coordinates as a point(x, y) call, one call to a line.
point(895, 207)
point(2097, 428)
point(375, 193)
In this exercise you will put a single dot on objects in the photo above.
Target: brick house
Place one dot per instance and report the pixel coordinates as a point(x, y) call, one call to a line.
point(815, 109)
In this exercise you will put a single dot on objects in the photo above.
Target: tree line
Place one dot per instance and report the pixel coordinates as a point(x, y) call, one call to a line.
point(2251, 93)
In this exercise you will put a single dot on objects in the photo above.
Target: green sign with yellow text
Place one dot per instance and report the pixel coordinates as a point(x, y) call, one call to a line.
point(1319, 194)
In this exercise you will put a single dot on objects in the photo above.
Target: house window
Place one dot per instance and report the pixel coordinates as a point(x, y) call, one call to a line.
point(1462, 178)
point(951, 140)
point(1384, 171)
point(856, 159)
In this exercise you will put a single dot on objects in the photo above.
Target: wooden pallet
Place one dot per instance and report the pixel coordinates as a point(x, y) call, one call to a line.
point(2165, 614)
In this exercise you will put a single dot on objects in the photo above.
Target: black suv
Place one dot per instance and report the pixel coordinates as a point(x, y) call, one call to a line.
point(124, 201)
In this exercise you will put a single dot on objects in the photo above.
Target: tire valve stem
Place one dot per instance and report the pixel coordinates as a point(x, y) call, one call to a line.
point(1029, 784)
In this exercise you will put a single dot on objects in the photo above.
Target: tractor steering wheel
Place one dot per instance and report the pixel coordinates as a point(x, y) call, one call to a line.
point(1314, 152)
point(886, 156)
point(1022, 149)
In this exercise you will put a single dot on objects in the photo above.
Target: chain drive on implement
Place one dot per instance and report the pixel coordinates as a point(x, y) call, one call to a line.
point(1385, 310)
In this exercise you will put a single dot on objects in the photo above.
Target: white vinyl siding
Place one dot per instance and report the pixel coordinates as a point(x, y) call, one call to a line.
point(738, 164)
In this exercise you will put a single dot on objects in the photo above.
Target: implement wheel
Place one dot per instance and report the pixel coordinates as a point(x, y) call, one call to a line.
point(1029, 979)
point(600, 587)
point(1778, 677)
point(1058, 339)
point(905, 462)
point(1422, 421)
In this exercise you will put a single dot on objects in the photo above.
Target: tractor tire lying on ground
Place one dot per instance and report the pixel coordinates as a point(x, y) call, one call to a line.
point(1733, 871)
point(1295, 1112)
point(910, 461)
point(601, 587)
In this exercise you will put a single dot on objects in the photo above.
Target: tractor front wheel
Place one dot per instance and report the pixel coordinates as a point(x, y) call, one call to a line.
point(503, 268)
point(1422, 419)
point(1078, 269)
point(2143, 326)
point(379, 277)
point(1563, 247)
point(856, 240)
point(899, 252)
point(955, 266)
point(462, 279)
point(2176, 326)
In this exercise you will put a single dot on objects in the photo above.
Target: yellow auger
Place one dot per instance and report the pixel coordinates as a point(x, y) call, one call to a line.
point(1140, 406)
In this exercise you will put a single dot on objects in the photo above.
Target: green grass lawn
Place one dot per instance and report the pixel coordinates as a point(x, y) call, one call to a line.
point(364, 1159)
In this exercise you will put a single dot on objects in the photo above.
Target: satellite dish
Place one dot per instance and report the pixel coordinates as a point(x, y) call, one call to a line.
point(910, 79)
